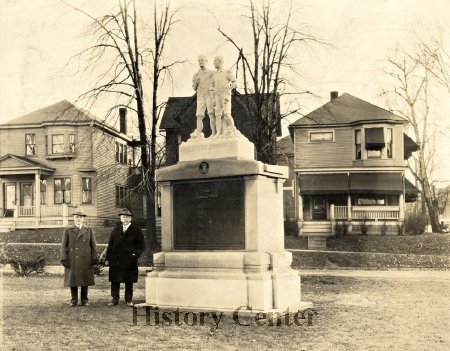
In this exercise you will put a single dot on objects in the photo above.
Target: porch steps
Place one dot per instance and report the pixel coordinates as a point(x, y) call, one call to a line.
point(6, 227)
point(316, 228)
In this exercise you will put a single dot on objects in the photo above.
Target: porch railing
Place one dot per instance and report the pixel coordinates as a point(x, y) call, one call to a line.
point(46, 211)
point(376, 212)
point(26, 211)
point(51, 210)
point(340, 212)
point(366, 212)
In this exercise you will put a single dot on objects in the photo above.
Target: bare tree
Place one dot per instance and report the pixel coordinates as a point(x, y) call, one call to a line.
point(440, 70)
point(264, 70)
point(412, 86)
point(133, 67)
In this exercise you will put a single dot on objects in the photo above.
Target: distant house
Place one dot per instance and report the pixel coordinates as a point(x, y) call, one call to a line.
point(60, 157)
point(349, 161)
point(285, 157)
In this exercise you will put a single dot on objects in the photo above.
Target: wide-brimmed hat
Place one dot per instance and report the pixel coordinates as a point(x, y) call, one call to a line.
point(125, 212)
point(79, 213)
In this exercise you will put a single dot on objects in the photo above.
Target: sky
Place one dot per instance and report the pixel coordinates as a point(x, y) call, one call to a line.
point(38, 38)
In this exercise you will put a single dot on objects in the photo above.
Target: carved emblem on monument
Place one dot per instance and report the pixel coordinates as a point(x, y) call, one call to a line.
point(203, 167)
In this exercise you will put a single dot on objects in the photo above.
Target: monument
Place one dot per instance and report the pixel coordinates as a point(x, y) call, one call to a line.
point(222, 223)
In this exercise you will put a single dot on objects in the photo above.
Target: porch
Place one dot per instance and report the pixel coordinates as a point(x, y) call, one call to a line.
point(25, 217)
point(377, 219)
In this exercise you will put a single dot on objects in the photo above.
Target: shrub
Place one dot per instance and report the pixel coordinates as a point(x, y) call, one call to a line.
point(23, 262)
point(401, 229)
point(415, 223)
point(341, 228)
point(365, 226)
point(24, 266)
point(290, 227)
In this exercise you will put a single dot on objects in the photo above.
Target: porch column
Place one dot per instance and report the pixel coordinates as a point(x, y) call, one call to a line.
point(349, 213)
point(332, 220)
point(401, 202)
point(37, 202)
point(298, 205)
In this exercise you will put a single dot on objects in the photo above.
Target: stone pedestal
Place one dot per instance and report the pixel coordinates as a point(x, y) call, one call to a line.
point(222, 147)
point(222, 234)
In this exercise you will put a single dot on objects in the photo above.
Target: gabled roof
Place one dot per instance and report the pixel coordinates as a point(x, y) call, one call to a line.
point(285, 146)
point(62, 111)
point(347, 109)
point(10, 161)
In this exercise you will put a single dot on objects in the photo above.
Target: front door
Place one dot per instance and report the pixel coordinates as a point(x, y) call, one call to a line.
point(9, 199)
point(319, 208)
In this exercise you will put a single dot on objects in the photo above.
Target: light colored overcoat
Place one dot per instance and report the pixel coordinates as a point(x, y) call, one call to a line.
point(79, 249)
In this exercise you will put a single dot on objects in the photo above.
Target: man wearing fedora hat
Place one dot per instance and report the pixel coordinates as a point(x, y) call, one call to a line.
point(126, 244)
point(78, 255)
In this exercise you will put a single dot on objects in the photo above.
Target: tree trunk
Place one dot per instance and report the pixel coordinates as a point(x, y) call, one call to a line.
point(432, 209)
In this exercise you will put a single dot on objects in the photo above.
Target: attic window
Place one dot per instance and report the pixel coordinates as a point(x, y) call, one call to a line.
point(374, 138)
point(315, 137)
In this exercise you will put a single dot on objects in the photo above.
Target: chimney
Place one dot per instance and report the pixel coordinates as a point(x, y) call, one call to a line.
point(333, 95)
point(123, 120)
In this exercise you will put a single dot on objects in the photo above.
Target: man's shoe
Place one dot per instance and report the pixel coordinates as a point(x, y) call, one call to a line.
point(73, 304)
point(112, 303)
point(85, 303)
point(130, 304)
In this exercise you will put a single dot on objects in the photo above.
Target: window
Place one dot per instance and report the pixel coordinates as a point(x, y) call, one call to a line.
point(358, 144)
point(121, 153)
point(43, 191)
point(30, 144)
point(122, 196)
point(72, 143)
point(86, 190)
point(321, 136)
point(374, 142)
point(46, 145)
point(389, 142)
point(58, 144)
point(371, 200)
point(63, 191)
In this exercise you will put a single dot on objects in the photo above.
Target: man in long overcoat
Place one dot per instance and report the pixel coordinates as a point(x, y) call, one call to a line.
point(78, 255)
point(126, 244)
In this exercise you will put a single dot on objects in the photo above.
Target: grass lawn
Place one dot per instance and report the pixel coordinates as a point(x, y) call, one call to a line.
point(51, 235)
point(353, 314)
point(426, 251)
point(424, 244)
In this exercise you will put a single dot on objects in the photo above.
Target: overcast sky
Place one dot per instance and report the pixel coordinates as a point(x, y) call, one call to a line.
point(37, 39)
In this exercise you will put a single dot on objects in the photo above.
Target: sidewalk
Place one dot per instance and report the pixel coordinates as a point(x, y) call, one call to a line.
point(355, 273)
point(394, 274)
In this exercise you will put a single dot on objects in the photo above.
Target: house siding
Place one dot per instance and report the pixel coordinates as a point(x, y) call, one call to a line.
point(109, 173)
point(340, 153)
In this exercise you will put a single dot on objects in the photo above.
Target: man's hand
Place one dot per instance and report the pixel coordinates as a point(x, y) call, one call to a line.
point(65, 263)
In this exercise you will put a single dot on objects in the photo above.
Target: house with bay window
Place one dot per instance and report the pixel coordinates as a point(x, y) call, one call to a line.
point(349, 161)
point(60, 157)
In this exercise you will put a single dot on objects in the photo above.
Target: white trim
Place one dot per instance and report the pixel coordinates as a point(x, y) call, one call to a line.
point(321, 131)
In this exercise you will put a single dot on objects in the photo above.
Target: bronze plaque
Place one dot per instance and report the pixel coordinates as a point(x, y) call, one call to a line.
point(209, 215)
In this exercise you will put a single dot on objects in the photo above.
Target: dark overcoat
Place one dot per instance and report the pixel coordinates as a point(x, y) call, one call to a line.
point(123, 265)
point(79, 249)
